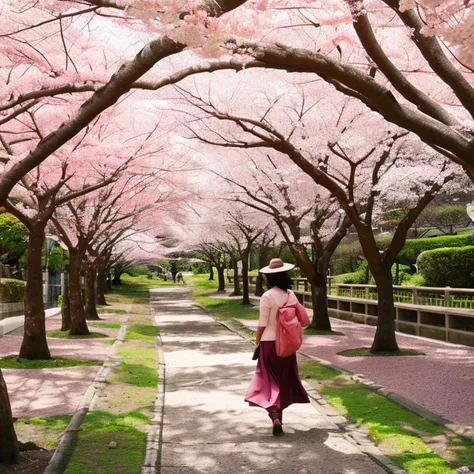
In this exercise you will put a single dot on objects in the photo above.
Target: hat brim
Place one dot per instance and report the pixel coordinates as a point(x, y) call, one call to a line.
point(285, 268)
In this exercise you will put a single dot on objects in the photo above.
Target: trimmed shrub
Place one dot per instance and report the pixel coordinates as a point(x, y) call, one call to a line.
point(12, 291)
point(452, 267)
point(415, 280)
point(414, 247)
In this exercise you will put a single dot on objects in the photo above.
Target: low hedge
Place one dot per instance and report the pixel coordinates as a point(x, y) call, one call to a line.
point(414, 247)
point(452, 267)
point(11, 291)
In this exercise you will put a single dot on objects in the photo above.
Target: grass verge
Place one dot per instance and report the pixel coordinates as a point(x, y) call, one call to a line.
point(106, 325)
point(15, 362)
point(123, 411)
point(402, 435)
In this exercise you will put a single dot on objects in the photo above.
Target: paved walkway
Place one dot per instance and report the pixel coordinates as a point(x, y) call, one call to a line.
point(208, 428)
point(441, 381)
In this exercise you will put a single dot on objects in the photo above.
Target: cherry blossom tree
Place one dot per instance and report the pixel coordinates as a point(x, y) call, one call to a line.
point(304, 213)
point(354, 160)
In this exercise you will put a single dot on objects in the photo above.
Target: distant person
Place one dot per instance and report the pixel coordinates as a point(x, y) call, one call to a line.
point(276, 383)
point(174, 271)
point(180, 278)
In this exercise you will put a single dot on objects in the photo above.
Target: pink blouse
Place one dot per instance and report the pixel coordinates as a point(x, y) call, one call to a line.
point(270, 301)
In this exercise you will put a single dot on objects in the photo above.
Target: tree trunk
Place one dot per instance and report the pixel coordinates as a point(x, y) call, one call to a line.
point(35, 345)
point(9, 452)
point(221, 278)
point(101, 286)
point(109, 282)
point(211, 272)
point(237, 291)
point(78, 320)
point(117, 280)
point(263, 260)
point(90, 309)
point(319, 299)
point(385, 339)
point(245, 278)
point(65, 308)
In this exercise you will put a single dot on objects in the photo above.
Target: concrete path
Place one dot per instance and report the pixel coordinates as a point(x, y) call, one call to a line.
point(208, 428)
point(441, 381)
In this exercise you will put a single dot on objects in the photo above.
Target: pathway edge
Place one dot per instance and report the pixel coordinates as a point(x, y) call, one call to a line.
point(58, 463)
point(152, 462)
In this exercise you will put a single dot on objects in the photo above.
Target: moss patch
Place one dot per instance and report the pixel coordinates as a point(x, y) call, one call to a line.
point(365, 352)
point(14, 362)
point(44, 432)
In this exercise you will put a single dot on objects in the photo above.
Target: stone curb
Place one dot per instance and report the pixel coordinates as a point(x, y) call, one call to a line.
point(466, 432)
point(65, 449)
point(152, 462)
point(351, 432)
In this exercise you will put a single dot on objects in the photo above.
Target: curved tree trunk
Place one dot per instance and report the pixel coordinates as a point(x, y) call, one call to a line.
point(90, 309)
point(237, 291)
point(221, 278)
point(35, 345)
point(109, 282)
point(9, 452)
point(385, 338)
point(245, 278)
point(117, 280)
point(263, 260)
point(78, 320)
point(319, 298)
point(211, 272)
point(65, 308)
point(101, 286)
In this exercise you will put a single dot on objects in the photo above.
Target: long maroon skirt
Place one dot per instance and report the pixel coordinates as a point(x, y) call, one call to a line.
point(276, 382)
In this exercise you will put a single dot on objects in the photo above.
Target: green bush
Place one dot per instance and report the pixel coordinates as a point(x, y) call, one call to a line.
point(452, 267)
point(414, 247)
point(138, 271)
point(12, 291)
point(415, 280)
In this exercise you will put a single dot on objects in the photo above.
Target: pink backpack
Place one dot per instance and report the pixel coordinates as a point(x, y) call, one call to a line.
point(288, 327)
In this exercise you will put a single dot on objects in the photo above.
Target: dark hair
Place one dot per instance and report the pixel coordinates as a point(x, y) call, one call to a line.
point(280, 279)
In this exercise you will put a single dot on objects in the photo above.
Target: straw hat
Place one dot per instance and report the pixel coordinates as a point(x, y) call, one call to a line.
point(277, 265)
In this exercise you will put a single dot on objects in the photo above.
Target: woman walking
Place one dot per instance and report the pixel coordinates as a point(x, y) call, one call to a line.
point(276, 383)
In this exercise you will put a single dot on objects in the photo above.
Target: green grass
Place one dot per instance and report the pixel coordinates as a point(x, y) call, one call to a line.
point(14, 362)
point(44, 432)
point(223, 308)
point(142, 332)
point(106, 309)
point(66, 335)
point(106, 325)
point(132, 386)
point(92, 453)
point(397, 431)
point(365, 352)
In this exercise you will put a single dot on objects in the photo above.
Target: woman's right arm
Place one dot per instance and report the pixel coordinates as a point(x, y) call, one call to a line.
point(264, 317)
